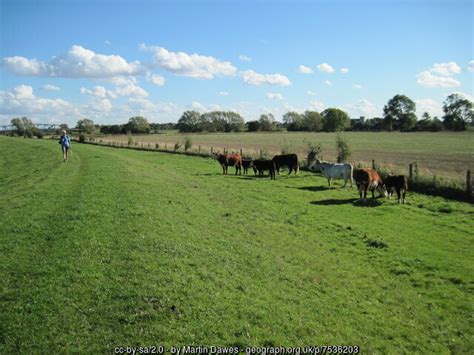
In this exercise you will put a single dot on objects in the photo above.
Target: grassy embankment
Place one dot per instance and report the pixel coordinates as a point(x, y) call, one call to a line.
point(120, 247)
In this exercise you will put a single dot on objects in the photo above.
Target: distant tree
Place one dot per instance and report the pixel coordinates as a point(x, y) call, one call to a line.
point(436, 125)
point(293, 121)
point(266, 122)
point(334, 119)
point(234, 122)
point(252, 126)
point(312, 121)
point(425, 123)
point(23, 126)
point(86, 125)
point(138, 124)
point(458, 112)
point(399, 113)
point(188, 121)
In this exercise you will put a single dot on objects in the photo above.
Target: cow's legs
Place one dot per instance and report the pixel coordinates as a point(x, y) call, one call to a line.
point(404, 193)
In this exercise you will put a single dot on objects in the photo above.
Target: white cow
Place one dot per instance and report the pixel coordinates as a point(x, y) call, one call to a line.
point(334, 171)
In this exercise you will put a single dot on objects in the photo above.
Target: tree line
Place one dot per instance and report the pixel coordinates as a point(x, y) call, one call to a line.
point(398, 115)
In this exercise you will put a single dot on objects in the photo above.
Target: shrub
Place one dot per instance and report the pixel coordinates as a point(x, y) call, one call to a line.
point(177, 145)
point(285, 147)
point(130, 139)
point(343, 150)
point(82, 138)
point(38, 133)
point(188, 143)
point(313, 150)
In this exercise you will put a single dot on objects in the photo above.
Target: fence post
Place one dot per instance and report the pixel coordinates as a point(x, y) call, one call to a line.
point(261, 154)
point(199, 149)
point(373, 164)
point(212, 150)
point(410, 171)
point(166, 148)
point(469, 184)
point(240, 151)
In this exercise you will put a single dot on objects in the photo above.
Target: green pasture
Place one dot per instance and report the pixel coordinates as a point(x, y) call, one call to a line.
point(131, 248)
point(444, 154)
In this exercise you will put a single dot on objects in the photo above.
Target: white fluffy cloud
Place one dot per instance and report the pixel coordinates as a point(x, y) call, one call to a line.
point(317, 105)
point(157, 80)
point(344, 70)
point(311, 93)
point(253, 78)
point(357, 86)
point(49, 87)
point(78, 62)
point(470, 66)
point(223, 93)
point(99, 92)
point(325, 68)
point(194, 65)
point(446, 69)
point(439, 76)
point(21, 101)
point(305, 70)
point(363, 108)
point(245, 58)
point(274, 96)
point(428, 79)
point(328, 83)
point(431, 106)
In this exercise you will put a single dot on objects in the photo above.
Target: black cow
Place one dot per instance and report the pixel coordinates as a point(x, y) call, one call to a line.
point(289, 160)
point(398, 183)
point(261, 165)
point(248, 163)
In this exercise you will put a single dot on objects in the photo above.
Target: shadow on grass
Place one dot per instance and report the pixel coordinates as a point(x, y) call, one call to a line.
point(353, 201)
point(314, 188)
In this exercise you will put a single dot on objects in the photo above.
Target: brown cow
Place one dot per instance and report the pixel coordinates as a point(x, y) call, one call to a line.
point(261, 165)
point(227, 160)
point(368, 179)
point(398, 183)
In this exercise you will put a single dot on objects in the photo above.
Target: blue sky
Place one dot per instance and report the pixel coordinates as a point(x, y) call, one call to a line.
point(111, 60)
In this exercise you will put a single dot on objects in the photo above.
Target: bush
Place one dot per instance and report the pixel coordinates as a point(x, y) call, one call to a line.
point(313, 151)
point(285, 147)
point(38, 133)
point(188, 143)
point(130, 139)
point(177, 145)
point(82, 138)
point(343, 150)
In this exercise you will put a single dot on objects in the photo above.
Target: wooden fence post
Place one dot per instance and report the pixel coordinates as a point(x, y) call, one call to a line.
point(261, 154)
point(410, 171)
point(212, 150)
point(469, 184)
point(199, 149)
point(373, 164)
point(240, 151)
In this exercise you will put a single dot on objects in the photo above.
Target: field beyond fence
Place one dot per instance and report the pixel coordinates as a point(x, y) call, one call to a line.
point(440, 161)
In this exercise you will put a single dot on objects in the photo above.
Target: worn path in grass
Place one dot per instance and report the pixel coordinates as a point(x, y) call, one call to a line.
point(120, 248)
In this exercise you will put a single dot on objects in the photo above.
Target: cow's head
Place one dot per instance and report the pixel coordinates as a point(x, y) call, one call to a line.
point(382, 189)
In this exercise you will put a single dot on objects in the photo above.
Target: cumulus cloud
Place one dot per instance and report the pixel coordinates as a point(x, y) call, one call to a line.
point(317, 105)
point(305, 70)
point(446, 69)
point(431, 106)
point(99, 92)
point(244, 58)
point(21, 101)
point(344, 70)
point(363, 108)
point(49, 87)
point(193, 66)
point(274, 96)
point(78, 62)
point(428, 79)
point(157, 80)
point(328, 83)
point(357, 86)
point(470, 66)
point(223, 93)
point(439, 76)
point(325, 68)
point(253, 78)
point(311, 93)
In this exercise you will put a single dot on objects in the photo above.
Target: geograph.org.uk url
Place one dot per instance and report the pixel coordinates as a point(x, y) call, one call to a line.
point(248, 350)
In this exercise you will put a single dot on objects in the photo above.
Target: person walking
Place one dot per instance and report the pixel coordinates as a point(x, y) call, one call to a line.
point(65, 142)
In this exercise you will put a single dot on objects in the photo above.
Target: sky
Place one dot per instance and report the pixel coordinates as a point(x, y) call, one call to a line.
point(61, 61)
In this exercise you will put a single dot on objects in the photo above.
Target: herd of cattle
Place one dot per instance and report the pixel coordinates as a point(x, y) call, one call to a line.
point(366, 179)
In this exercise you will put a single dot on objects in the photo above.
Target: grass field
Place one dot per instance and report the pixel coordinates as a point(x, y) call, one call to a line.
point(124, 248)
point(444, 154)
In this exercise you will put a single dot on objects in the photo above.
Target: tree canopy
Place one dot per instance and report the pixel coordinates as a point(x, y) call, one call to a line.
point(399, 113)
point(334, 119)
point(458, 112)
